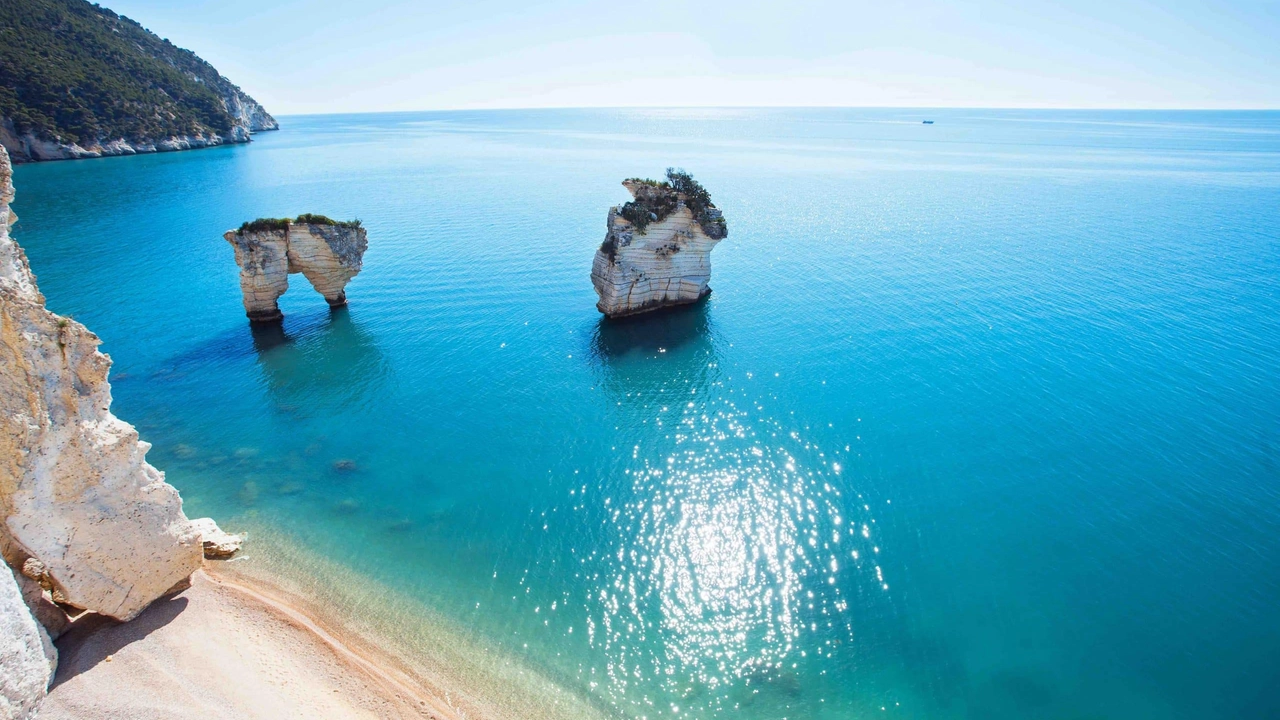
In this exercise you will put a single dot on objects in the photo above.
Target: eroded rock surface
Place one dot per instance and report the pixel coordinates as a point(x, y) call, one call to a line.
point(76, 491)
point(37, 591)
point(327, 254)
point(263, 257)
point(659, 258)
point(27, 656)
point(218, 544)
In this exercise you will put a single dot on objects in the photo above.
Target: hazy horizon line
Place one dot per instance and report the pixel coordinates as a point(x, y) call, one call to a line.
point(1116, 108)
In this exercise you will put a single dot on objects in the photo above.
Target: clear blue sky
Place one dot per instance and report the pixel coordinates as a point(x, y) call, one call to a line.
point(305, 56)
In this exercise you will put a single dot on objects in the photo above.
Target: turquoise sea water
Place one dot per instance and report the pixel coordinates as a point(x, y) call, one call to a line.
point(981, 421)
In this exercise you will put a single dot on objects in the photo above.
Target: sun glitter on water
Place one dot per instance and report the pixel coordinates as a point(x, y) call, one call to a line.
point(733, 557)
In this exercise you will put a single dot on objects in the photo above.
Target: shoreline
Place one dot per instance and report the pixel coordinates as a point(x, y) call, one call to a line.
point(228, 646)
point(310, 626)
point(28, 149)
point(452, 658)
point(382, 668)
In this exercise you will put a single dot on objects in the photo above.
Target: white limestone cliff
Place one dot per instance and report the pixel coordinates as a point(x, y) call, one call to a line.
point(249, 116)
point(665, 263)
point(77, 495)
point(328, 254)
point(27, 656)
point(263, 257)
point(26, 147)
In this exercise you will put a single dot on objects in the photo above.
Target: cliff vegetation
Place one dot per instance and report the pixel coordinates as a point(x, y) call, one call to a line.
point(72, 72)
point(312, 219)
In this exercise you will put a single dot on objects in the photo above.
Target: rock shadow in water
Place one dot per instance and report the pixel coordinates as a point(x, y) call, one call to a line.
point(315, 365)
point(663, 351)
point(322, 360)
point(268, 336)
point(235, 345)
point(659, 331)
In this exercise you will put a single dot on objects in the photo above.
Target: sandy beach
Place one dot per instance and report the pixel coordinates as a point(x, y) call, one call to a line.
point(224, 649)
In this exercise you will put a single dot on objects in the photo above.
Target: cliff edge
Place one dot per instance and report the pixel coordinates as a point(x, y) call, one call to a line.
point(85, 522)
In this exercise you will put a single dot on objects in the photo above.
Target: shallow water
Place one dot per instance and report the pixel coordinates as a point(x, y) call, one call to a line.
point(981, 421)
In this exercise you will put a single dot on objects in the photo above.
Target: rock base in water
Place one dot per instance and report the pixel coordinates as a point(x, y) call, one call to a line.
point(657, 251)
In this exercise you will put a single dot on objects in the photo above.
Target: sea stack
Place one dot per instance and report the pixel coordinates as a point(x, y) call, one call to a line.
point(327, 252)
point(657, 251)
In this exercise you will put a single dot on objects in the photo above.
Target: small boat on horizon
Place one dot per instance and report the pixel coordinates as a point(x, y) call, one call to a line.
point(928, 122)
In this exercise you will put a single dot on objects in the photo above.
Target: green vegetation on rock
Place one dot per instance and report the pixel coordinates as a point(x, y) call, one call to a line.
point(268, 224)
point(75, 72)
point(264, 225)
point(656, 200)
point(312, 219)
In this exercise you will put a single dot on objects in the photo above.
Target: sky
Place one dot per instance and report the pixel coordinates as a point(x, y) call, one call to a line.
point(329, 56)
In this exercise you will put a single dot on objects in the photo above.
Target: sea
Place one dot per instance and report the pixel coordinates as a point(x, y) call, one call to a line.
point(981, 419)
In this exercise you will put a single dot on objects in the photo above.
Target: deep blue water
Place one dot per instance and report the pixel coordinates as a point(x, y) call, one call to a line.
point(981, 421)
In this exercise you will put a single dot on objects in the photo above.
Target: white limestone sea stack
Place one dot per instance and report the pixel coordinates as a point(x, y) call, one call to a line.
point(85, 521)
point(327, 252)
point(657, 251)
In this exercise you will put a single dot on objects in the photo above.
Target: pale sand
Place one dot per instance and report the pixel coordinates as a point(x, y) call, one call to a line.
point(222, 649)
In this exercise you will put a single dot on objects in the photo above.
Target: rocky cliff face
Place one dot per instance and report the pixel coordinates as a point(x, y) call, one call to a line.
point(663, 263)
point(85, 522)
point(328, 254)
point(246, 112)
point(76, 494)
point(27, 656)
point(247, 115)
point(263, 257)
point(29, 148)
point(78, 80)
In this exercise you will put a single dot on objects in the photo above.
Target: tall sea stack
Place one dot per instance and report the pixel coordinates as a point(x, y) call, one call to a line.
point(657, 251)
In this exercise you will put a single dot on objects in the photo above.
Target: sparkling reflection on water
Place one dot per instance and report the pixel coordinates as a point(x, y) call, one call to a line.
point(733, 556)
point(1048, 337)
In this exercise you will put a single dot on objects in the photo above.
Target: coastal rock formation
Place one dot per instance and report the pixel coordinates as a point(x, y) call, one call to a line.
point(263, 257)
point(27, 656)
point(657, 251)
point(27, 147)
point(217, 543)
point(37, 591)
point(76, 494)
point(327, 252)
point(79, 81)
